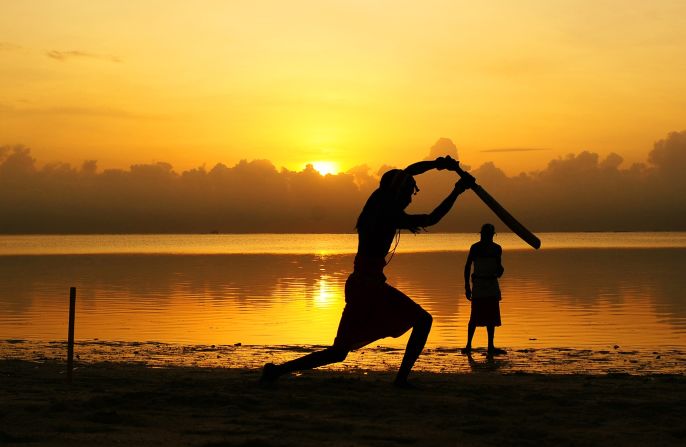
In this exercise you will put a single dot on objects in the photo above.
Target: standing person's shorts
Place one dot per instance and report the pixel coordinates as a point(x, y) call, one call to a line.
point(374, 310)
point(485, 301)
point(485, 311)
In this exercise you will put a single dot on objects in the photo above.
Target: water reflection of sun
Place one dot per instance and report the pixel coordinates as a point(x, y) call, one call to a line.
point(326, 295)
point(326, 167)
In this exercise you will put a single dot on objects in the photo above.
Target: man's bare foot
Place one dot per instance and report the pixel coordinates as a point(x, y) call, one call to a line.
point(466, 350)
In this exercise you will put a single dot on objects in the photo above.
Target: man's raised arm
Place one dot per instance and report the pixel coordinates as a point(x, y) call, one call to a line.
point(422, 166)
point(441, 210)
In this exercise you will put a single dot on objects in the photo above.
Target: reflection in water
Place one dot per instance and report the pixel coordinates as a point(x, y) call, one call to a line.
point(326, 295)
point(321, 244)
point(583, 298)
point(599, 297)
point(487, 362)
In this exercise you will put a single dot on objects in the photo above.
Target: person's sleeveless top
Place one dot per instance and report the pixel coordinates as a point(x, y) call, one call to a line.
point(485, 278)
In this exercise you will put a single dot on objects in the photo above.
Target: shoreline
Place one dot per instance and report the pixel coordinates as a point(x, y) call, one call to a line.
point(114, 403)
point(540, 360)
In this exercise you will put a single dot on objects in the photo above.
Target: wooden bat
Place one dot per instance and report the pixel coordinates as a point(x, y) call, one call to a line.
point(507, 218)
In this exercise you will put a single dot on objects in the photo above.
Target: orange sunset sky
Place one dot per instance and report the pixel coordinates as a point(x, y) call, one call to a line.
point(348, 82)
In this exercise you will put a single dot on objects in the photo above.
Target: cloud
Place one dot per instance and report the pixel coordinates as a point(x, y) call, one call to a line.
point(102, 112)
point(442, 147)
point(105, 112)
point(669, 154)
point(9, 46)
point(363, 178)
point(16, 162)
point(578, 192)
point(252, 196)
point(517, 149)
point(75, 54)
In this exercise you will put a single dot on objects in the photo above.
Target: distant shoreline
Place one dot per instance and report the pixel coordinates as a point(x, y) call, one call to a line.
point(316, 244)
point(353, 233)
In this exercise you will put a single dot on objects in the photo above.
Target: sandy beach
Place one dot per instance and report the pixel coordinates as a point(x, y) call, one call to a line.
point(123, 403)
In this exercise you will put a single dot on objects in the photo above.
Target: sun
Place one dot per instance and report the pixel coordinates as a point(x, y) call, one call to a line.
point(326, 167)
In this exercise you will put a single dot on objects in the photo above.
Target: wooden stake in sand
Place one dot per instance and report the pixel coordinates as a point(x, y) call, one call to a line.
point(70, 340)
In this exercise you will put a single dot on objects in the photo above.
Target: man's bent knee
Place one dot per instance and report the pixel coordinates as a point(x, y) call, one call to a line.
point(425, 319)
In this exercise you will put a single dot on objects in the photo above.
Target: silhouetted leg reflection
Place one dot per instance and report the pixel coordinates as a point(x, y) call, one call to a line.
point(488, 364)
point(471, 361)
point(415, 345)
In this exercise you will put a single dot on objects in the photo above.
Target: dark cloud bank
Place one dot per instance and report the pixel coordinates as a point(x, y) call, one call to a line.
point(580, 192)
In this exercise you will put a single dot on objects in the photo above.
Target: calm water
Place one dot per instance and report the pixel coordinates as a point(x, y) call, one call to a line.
point(320, 244)
point(580, 291)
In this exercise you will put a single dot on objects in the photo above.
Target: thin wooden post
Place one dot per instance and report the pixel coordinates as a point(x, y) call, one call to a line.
point(70, 340)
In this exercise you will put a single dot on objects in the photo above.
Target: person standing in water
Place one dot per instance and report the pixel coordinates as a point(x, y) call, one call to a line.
point(484, 292)
point(373, 308)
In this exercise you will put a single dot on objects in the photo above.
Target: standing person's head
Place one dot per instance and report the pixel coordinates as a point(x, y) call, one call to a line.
point(487, 232)
point(398, 187)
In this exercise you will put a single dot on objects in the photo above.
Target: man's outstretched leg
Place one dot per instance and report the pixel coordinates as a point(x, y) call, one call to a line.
point(334, 354)
point(420, 332)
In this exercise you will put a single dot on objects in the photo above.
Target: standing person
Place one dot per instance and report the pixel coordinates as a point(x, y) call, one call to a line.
point(484, 293)
point(373, 308)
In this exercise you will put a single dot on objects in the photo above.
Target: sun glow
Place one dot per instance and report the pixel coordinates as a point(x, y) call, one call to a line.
point(326, 167)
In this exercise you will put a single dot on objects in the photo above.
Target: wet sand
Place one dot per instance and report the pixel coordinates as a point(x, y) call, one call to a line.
point(553, 360)
point(126, 403)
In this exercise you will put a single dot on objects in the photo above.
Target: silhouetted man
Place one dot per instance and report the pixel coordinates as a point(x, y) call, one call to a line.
point(373, 308)
point(484, 293)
